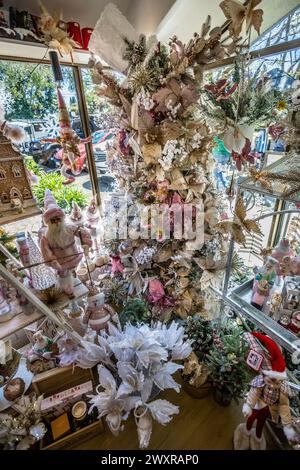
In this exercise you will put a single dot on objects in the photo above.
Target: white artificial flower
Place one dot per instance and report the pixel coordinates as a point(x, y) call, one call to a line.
point(133, 380)
point(172, 337)
point(163, 376)
point(162, 410)
point(91, 354)
point(108, 404)
point(140, 343)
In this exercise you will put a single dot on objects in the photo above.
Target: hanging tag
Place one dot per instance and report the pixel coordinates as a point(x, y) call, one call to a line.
point(254, 360)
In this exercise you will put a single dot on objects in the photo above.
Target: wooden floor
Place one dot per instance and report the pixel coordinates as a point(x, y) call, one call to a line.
point(200, 424)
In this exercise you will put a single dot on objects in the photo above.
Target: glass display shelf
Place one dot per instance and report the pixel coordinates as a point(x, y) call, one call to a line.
point(239, 299)
point(283, 167)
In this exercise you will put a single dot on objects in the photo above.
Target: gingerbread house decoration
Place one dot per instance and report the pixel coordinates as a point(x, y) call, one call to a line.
point(15, 189)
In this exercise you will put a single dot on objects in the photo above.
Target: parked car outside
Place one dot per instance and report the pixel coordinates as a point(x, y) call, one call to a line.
point(99, 143)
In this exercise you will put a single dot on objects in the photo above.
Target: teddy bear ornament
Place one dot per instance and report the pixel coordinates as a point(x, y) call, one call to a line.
point(268, 397)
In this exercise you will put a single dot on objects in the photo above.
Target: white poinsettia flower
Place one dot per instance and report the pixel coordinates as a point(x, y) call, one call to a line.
point(181, 350)
point(172, 337)
point(162, 410)
point(108, 404)
point(139, 343)
point(163, 376)
point(90, 355)
point(133, 380)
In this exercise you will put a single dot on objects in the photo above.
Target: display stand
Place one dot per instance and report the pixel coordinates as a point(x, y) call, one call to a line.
point(239, 298)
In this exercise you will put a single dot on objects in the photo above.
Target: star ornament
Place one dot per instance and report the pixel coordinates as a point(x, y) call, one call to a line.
point(239, 225)
point(238, 13)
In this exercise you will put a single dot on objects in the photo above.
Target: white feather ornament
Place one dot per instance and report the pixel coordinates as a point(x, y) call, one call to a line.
point(107, 40)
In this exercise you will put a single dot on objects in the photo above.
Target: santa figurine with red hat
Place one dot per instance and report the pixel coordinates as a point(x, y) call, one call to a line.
point(268, 397)
point(72, 153)
point(58, 243)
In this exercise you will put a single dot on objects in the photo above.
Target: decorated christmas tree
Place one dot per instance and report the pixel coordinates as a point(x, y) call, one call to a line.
point(161, 156)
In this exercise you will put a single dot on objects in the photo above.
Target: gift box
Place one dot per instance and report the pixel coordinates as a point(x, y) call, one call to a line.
point(59, 402)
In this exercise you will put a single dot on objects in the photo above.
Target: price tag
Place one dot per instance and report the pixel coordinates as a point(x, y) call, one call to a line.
point(254, 359)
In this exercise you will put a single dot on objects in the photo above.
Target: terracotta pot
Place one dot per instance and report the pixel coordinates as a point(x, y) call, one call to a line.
point(221, 397)
point(197, 392)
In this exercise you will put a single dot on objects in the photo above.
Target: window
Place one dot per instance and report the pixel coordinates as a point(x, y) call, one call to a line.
point(4, 198)
point(2, 174)
point(26, 194)
point(103, 128)
point(15, 193)
point(30, 98)
point(287, 29)
point(17, 172)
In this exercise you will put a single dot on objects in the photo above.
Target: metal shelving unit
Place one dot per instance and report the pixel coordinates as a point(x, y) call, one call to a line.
point(239, 298)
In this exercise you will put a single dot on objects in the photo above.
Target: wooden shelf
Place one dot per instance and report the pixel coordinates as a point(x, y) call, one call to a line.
point(11, 216)
point(18, 322)
point(15, 48)
point(22, 320)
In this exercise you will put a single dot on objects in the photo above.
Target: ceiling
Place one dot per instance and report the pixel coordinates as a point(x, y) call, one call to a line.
point(145, 15)
point(166, 17)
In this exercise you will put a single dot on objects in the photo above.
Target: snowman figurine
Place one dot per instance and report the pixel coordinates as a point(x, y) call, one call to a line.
point(98, 313)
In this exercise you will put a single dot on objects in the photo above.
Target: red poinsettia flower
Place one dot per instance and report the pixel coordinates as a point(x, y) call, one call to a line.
point(245, 156)
point(276, 131)
point(220, 89)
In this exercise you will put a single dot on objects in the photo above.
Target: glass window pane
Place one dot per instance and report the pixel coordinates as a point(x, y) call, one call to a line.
point(103, 130)
point(30, 98)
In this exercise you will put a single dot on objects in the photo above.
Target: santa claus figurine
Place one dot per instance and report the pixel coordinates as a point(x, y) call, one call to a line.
point(98, 313)
point(268, 397)
point(58, 243)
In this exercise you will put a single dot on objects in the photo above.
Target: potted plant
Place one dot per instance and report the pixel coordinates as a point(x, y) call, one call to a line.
point(226, 363)
point(195, 373)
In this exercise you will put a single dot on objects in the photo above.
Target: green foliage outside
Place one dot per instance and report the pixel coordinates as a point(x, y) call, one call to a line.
point(31, 90)
point(63, 194)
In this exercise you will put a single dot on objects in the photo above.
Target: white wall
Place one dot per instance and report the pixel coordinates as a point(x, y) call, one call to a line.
point(187, 16)
point(146, 15)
